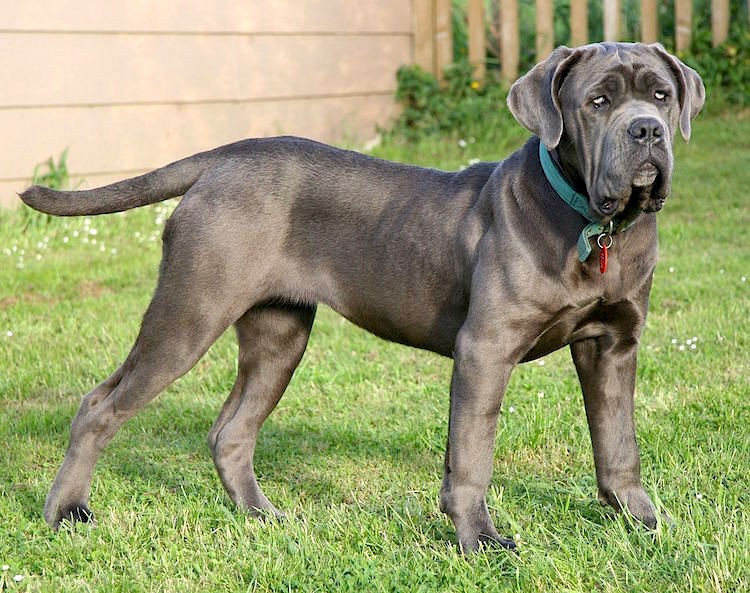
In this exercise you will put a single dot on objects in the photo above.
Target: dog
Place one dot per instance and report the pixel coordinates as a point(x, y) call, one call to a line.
point(495, 265)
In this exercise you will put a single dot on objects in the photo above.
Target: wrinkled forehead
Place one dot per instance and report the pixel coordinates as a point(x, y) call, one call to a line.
point(612, 68)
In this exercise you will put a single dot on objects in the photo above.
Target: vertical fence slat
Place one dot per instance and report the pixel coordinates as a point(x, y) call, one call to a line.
point(477, 38)
point(683, 24)
point(424, 34)
point(545, 28)
point(443, 36)
point(611, 20)
point(509, 39)
point(649, 22)
point(719, 21)
point(579, 22)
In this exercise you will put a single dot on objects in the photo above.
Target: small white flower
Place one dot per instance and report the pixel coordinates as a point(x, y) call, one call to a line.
point(75, 233)
point(5, 567)
point(18, 578)
point(102, 248)
point(674, 340)
point(671, 269)
point(540, 394)
point(541, 363)
point(85, 239)
point(65, 239)
point(8, 334)
point(699, 496)
point(474, 161)
point(113, 251)
point(93, 241)
point(38, 256)
point(462, 143)
point(721, 271)
point(511, 410)
point(693, 346)
point(137, 234)
point(744, 279)
point(682, 347)
point(93, 231)
point(517, 537)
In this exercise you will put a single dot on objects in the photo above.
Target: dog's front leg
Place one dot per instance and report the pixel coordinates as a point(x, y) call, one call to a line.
point(480, 376)
point(606, 369)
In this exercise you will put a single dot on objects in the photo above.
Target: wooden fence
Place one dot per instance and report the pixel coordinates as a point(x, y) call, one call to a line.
point(433, 35)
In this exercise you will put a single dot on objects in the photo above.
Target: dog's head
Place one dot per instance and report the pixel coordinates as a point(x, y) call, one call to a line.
point(612, 111)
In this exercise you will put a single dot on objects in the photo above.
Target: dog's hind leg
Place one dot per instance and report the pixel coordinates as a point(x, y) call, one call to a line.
point(185, 317)
point(272, 340)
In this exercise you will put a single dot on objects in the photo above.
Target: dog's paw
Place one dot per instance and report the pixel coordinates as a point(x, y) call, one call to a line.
point(637, 505)
point(72, 513)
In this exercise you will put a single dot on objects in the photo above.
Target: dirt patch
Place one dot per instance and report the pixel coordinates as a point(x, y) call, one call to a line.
point(92, 290)
point(25, 299)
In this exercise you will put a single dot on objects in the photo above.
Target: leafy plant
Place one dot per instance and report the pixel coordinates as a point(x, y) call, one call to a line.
point(462, 107)
point(50, 174)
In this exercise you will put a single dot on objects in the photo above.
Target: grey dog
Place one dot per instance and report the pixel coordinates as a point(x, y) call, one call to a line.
point(494, 265)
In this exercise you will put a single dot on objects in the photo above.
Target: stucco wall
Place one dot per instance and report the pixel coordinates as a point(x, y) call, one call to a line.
point(130, 86)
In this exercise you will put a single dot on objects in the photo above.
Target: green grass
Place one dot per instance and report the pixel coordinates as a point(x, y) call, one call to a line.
point(354, 451)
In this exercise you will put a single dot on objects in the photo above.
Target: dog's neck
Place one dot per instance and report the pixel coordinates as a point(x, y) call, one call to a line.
point(579, 202)
point(566, 158)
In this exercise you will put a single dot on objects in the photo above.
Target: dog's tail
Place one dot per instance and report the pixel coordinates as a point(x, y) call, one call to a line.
point(161, 184)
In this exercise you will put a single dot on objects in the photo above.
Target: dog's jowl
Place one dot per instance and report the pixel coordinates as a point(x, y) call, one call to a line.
point(495, 265)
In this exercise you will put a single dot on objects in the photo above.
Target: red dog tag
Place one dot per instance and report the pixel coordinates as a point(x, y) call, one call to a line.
point(604, 241)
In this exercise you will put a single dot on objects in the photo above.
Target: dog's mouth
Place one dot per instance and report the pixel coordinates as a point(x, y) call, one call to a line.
point(645, 193)
point(645, 175)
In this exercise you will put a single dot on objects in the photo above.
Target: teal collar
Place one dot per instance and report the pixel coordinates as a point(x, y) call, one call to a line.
point(579, 202)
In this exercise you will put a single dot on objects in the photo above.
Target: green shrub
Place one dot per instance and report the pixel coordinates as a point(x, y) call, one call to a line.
point(461, 107)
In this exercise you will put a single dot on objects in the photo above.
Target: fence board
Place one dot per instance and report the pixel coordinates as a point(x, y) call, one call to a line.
point(510, 48)
point(443, 36)
point(545, 28)
point(719, 21)
point(579, 22)
point(424, 34)
point(683, 24)
point(121, 69)
point(649, 22)
point(477, 51)
point(106, 143)
point(611, 20)
point(217, 16)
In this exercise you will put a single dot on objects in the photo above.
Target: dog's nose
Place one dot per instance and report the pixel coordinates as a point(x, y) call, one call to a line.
point(646, 129)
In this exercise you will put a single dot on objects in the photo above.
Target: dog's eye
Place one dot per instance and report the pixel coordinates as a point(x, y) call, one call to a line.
point(600, 102)
point(660, 96)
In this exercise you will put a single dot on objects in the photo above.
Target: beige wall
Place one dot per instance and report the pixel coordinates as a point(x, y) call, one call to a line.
point(129, 86)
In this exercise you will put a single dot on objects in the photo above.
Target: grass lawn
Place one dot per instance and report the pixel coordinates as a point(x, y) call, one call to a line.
point(354, 451)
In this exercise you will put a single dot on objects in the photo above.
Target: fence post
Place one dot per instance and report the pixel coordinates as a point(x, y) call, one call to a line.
point(545, 29)
point(683, 24)
point(509, 45)
point(579, 22)
point(719, 21)
point(477, 48)
point(611, 20)
point(649, 22)
point(424, 34)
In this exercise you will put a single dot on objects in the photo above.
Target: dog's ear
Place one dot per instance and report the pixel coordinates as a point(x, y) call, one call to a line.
point(533, 99)
point(690, 87)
